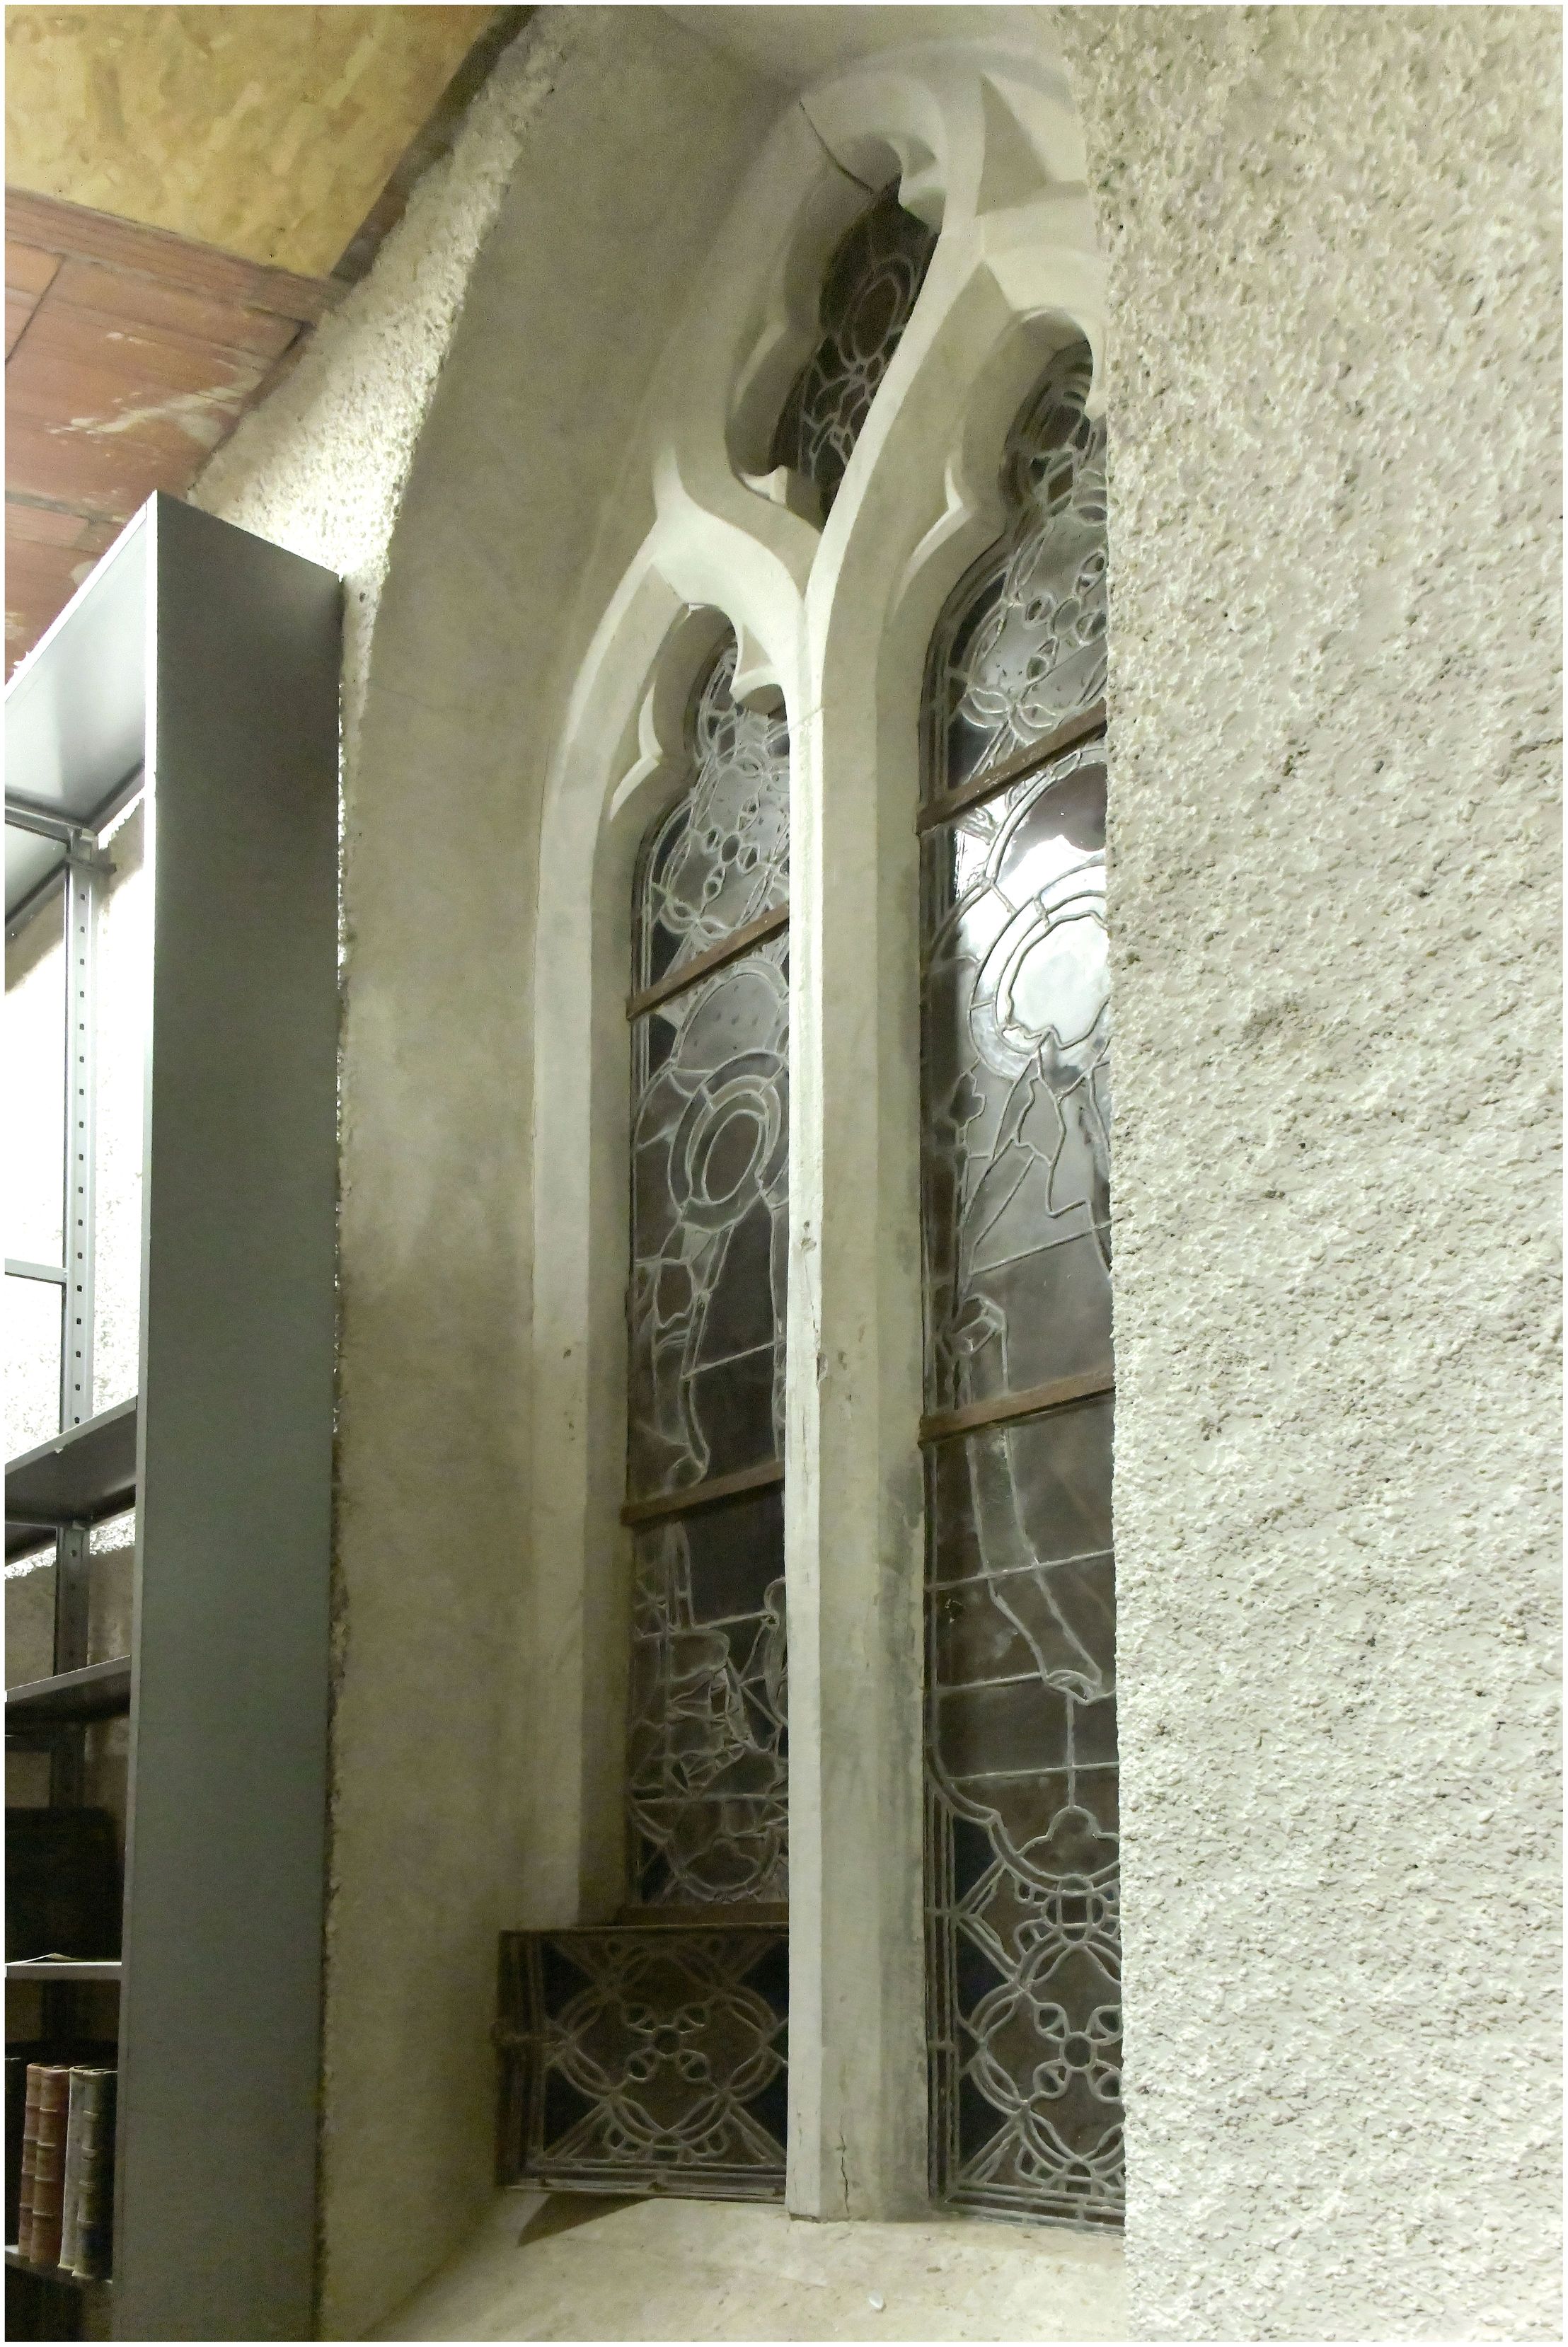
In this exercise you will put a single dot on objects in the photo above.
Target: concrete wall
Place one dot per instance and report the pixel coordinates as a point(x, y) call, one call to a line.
point(1335, 921)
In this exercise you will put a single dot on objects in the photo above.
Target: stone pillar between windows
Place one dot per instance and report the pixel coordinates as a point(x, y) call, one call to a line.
point(853, 1505)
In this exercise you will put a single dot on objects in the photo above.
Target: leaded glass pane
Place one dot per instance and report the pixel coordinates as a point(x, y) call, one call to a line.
point(1020, 649)
point(720, 858)
point(1017, 1084)
point(707, 1774)
point(707, 1770)
point(636, 2058)
point(872, 284)
point(1022, 1882)
point(710, 1193)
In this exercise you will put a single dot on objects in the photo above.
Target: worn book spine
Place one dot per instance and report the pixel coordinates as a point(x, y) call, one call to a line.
point(49, 2168)
point(73, 2109)
point(29, 2158)
point(93, 2248)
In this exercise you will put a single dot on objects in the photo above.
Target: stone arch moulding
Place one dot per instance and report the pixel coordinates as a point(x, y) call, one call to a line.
point(834, 624)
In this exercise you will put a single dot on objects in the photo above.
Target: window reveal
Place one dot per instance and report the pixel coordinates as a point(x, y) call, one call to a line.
point(707, 1768)
point(872, 284)
point(1021, 1851)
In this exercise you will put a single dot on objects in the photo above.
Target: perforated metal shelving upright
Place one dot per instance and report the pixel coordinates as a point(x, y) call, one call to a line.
point(200, 664)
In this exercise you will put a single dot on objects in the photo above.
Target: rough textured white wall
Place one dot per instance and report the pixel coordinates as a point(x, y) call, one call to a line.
point(1333, 389)
point(322, 467)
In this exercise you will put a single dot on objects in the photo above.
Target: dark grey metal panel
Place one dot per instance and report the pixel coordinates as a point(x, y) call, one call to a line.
point(76, 709)
point(220, 2044)
point(79, 1476)
point(96, 1691)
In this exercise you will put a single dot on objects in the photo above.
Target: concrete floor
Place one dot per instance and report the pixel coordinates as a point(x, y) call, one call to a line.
point(568, 2266)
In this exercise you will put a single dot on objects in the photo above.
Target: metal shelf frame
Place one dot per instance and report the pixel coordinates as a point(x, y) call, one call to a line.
point(200, 664)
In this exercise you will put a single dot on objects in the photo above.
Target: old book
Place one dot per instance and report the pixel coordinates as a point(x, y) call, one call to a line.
point(68, 2199)
point(50, 2166)
point(92, 2110)
point(29, 2158)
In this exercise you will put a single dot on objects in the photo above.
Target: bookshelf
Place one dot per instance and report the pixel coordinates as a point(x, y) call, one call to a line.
point(197, 665)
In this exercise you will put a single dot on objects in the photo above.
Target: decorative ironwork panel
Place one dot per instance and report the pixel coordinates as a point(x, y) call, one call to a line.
point(1020, 649)
point(1021, 1855)
point(710, 1188)
point(872, 284)
point(1017, 1082)
point(720, 858)
point(707, 1768)
point(641, 2059)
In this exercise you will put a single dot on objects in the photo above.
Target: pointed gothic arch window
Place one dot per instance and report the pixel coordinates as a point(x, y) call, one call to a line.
point(1022, 1874)
point(707, 1770)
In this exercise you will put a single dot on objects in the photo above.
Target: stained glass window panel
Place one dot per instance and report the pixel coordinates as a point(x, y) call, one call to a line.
point(1020, 1735)
point(707, 1767)
point(709, 1217)
point(707, 1770)
point(1016, 1087)
point(872, 284)
point(719, 859)
point(1022, 1859)
point(1020, 649)
point(636, 2058)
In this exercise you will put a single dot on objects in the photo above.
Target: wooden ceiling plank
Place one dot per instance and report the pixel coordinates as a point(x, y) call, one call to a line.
point(69, 373)
point(28, 271)
point(117, 298)
point(75, 232)
point(39, 581)
point(30, 524)
point(19, 309)
point(105, 477)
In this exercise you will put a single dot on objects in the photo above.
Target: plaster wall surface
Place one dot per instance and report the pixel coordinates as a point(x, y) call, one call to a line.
point(1332, 244)
point(452, 445)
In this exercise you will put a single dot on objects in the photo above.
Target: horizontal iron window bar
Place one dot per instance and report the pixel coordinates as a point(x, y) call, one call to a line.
point(1040, 754)
point(17, 1269)
point(676, 981)
point(942, 1425)
point(686, 1503)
